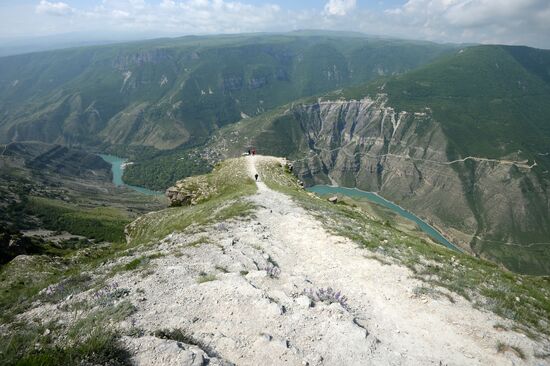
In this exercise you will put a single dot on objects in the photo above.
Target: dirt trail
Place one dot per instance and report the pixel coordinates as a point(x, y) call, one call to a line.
point(520, 164)
point(247, 317)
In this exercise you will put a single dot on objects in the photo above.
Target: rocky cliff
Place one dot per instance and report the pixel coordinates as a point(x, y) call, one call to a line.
point(496, 208)
point(404, 156)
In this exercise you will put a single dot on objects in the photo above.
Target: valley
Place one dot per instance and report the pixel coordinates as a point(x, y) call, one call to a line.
point(52, 196)
point(411, 150)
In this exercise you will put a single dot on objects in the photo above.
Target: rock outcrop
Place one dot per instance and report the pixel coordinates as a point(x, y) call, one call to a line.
point(189, 191)
point(403, 156)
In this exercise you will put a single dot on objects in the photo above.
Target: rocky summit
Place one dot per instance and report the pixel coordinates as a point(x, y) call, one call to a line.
point(266, 273)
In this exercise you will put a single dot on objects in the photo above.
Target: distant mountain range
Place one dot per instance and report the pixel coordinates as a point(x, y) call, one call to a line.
point(172, 92)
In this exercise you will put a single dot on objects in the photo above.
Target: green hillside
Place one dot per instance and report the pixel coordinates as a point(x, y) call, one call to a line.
point(171, 92)
point(492, 101)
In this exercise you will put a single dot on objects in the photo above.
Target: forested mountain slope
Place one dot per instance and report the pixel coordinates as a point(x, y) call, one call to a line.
point(170, 92)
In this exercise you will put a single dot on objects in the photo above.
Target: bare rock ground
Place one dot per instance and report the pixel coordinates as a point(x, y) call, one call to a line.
point(237, 289)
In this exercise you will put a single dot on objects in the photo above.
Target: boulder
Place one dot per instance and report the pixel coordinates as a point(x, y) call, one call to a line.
point(189, 191)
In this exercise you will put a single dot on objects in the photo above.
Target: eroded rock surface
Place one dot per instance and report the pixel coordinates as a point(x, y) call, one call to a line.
point(480, 203)
point(189, 191)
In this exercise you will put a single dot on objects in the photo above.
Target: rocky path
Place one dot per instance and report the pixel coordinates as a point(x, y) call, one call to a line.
point(238, 290)
point(520, 164)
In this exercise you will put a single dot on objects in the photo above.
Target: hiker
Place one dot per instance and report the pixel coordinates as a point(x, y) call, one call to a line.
point(248, 151)
point(256, 176)
point(253, 152)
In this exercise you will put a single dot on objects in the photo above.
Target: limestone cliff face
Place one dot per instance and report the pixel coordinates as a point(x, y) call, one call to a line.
point(403, 156)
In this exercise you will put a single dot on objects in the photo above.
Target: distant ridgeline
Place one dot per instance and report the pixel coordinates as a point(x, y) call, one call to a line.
point(171, 92)
point(462, 142)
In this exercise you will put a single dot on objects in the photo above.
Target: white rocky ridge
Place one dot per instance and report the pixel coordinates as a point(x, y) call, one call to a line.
point(249, 314)
point(255, 291)
point(127, 75)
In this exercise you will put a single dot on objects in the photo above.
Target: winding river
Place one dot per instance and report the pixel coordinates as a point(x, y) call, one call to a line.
point(117, 167)
point(373, 197)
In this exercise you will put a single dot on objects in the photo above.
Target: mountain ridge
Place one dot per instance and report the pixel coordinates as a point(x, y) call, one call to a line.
point(190, 279)
point(162, 93)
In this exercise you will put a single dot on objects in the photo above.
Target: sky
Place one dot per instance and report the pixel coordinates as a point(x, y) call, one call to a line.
point(525, 22)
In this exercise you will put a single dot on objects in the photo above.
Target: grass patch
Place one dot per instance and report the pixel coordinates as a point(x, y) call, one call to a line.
point(200, 241)
point(432, 292)
point(88, 341)
point(229, 181)
point(68, 286)
point(503, 348)
point(23, 279)
point(99, 318)
point(135, 263)
point(203, 277)
point(98, 349)
point(100, 223)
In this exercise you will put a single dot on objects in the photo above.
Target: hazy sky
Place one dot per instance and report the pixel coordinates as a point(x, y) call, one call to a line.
point(484, 21)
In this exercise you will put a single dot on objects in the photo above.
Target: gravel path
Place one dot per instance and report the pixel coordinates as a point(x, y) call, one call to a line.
point(254, 311)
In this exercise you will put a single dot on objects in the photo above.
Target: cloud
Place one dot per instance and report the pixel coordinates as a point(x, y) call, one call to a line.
point(50, 8)
point(484, 21)
point(190, 16)
point(339, 7)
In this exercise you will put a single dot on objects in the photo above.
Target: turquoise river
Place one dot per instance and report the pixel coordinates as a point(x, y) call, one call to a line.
point(373, 197)
point(117, 167)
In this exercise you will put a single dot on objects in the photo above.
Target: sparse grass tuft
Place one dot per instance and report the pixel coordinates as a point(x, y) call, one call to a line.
point(203, 277)
point(200, 241)
point(222, 269)
point(180, 335)
point(136, 263)
point(503, 347)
